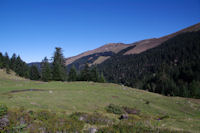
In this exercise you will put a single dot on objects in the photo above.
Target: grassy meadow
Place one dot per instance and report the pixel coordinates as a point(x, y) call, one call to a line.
point(183, 114)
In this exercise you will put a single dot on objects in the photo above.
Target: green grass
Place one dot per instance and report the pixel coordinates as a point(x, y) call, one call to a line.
point(69, 97)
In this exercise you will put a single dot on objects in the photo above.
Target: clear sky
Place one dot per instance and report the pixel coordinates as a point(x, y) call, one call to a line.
point(33, 28)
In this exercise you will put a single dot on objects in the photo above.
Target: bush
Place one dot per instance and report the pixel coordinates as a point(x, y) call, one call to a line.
point(115, 109)
point(93, 119)
point(3, 110)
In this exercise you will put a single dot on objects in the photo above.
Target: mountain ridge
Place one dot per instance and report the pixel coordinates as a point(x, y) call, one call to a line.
point(140, 46)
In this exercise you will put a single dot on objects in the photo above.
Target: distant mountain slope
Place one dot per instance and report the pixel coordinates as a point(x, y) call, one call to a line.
point(173, 68)
point(140, 46)
point(111, 47)
point(37, 64)
point(144, 45)
point(91, 59)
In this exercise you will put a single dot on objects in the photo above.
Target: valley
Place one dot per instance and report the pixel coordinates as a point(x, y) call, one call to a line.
point(65, 98)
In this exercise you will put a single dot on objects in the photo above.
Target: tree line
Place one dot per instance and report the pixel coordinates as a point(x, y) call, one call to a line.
point(55, 71)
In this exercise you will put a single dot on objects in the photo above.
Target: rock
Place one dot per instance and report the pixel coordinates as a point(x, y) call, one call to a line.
point(92, 130)
point(81, 118)
point(22, 121)
point(124, 88)
point(123, 116)
point(4, 122)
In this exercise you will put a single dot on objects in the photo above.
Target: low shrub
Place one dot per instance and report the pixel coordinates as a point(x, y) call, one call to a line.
point(3, 110)
point(115, 109)
point(93, 119)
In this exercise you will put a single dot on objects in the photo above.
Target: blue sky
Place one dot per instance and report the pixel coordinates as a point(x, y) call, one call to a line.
point(33, 28)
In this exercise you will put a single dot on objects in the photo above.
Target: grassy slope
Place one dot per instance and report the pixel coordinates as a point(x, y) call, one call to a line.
point(89, 97)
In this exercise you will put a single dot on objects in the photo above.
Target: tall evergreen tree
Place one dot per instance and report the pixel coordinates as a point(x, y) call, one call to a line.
point(46, 70)
point(34, 73)
point(13, 62)
point(1, 60)
point(94, 74)
point(59, 69)
point(72, 74)
point(18, 68)
point(6, 63)
point(85, 73)
point(102, 78)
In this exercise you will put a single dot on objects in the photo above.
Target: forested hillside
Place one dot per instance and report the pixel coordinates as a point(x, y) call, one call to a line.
point(14, 63)
point(173, 68)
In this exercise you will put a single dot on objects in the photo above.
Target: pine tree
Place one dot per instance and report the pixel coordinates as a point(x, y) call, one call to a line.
point(94, 74)
point(102, 79)
point(13, 62)
point(59, 70)
point(34, 73)
point(46, 70)
point(6, 62)
point(72, 74)
point(85, 73)
point(1, 60)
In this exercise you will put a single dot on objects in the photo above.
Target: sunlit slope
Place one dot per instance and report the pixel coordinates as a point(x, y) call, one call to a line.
point(89, 97)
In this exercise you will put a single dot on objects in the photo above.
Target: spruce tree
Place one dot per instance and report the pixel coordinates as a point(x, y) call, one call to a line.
point(72, 74)
point(94, 74)
point(1, 60)
point(85, 73)
point(13, 62)
point(46, 70)
point(102, 79)
point(34, 73)
point(58, 70)
point(6, 62)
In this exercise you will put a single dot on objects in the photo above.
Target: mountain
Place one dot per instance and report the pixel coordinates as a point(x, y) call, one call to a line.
point(111, 47)
point(172, 68)
point(94, 57)
point(144, 45)
point(37, 64)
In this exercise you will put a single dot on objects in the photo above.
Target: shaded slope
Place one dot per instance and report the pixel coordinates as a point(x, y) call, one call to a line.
point(168, 69)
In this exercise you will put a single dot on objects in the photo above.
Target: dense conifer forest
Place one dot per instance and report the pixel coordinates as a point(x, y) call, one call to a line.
point(173, 68)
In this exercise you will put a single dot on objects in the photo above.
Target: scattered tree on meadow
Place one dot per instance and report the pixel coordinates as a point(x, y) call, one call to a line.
point(46, 70)
point(58, 66)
